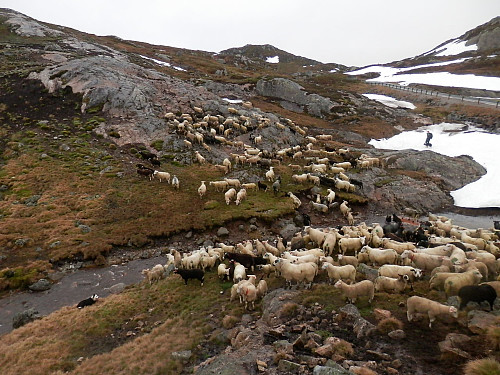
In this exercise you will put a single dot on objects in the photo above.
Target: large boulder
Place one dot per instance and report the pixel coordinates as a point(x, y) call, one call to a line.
point(25, 317)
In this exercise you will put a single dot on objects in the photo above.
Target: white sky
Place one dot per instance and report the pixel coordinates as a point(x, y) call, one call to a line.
point(481, 146)
point(354, 32)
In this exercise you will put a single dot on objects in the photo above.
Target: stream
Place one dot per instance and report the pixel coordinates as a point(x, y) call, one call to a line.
point(73, 288)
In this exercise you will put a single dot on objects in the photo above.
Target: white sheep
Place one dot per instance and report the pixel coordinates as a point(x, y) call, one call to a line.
point(394, 271)
point(314, 179)
point(270, 248)
point(239, 273)
point(316, 235)
point(250, 186)
point(391, 285)
point(330, 197)
point(380, 256)
point(229, 195)
point(437, 280)
point(162, 176)
point(300, 178)
point(154, 274)
point(329, 242)
point(342, 185)
point(296, 201)
point(199, 158)
point(425, 262)
point(453, 283)
point(202, 189)
point(387, 243)
point(347, 272)
point(351, 244)
point(303, 272)
point(344, 208)
point(242, 194)
point(352, 292)
point(262, 288)
point(175, 182)
point(348, 259)
point(234, 182)
point(421, 305)
point(219, 185)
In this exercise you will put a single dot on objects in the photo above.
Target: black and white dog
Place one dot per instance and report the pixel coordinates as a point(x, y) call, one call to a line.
point(88, 301)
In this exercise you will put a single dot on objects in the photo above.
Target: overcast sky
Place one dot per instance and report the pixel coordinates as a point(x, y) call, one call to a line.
point(349, 32)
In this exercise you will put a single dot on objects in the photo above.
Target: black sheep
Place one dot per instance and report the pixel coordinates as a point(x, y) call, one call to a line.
point(477, 293)
point(88, 301)
point(246, 260)
point(191, 274)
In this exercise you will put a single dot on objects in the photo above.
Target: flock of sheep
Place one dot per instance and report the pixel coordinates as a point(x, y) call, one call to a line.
point(455, 259)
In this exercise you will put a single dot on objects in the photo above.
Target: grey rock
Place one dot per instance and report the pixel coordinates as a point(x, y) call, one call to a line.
point(222, 231)
point(289, 230)
point(208, 243)
point(84, 228)
point(40, 285)
point(189, 234)
point(21, 242)
point(182, 356)
point(24, 317)
point(479, 321)
point(290, 367)
point(397, 334)
point(252, 228)
point(33, 200)
point(54, 244)
point(362, 327)
point(117, 288)
point(332, 368)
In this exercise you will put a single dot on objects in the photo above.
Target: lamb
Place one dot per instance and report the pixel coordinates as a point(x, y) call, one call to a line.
point(347, 272)
point(453, 283)
point(154, 274)
point(270, 174)
point(391, 285)
point(351, 244)
point(223, 272)
point(202, 189)
point(476, 293)
point(229, 195)
point(296, 272)
point(88, 301)
point(242, 194)
point(348, 259)
point(421, 305)
point(380, 256)
point(175, 182)
point(162, 176)
point(191, 274)
point(350, 218)
point(296, 201)
point(352, 292)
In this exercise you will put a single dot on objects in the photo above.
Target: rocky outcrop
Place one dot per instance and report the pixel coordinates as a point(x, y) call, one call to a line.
point(293, 96)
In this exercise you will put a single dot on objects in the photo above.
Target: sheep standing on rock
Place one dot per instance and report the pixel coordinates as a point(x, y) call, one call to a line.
point(421, 305)
point(477, 293)
point(352, 292)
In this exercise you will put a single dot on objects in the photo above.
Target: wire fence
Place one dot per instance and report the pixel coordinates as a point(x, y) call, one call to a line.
point(493, 102)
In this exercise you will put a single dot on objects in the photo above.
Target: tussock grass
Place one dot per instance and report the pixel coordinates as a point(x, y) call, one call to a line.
point(485, 366)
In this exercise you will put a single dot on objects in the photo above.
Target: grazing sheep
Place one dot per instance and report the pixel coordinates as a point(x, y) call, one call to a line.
point(420, 305)
point(347, 272)
point(191, 274)
point(250, 186)
point(352, 292)
point(234, 182)
point(202, 189)
point(88, 301)
point(147, 172)
point(242, 194)
point(476, 293)
point(229, 195)
point(391, 285)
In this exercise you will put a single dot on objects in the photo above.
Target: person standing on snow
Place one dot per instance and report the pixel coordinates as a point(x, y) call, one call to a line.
point(428, 139)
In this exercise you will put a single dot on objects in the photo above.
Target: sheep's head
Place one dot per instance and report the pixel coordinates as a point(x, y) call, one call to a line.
point(338, 284)
point(453, 311)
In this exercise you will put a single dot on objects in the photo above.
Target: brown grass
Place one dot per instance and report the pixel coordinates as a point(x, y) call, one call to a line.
point(485, 366)
point(389, 324)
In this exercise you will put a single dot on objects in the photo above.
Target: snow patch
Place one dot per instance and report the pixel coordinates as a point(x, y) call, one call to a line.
point(454, 140)
point(233, 101)
point(455, 47)
point(273, 60)
point(163, 63)
point(390, 101)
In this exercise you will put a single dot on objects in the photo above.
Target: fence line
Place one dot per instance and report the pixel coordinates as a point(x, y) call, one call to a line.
point(487, 101)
